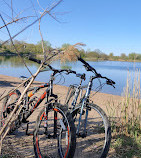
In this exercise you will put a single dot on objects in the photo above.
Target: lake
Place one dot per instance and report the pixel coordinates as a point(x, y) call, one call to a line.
point(118, 71)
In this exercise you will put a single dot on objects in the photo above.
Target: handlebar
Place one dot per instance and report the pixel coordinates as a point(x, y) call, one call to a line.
point(87, 66)
point(35, 60)
point(90, 68)
point(68, 71)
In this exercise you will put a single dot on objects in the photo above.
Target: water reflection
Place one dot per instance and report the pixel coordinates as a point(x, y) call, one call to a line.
point(14, 61)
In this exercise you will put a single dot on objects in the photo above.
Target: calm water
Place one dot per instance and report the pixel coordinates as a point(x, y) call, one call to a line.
point(115, 70)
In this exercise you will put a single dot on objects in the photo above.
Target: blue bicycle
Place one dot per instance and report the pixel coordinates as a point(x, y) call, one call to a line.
point(93, 129)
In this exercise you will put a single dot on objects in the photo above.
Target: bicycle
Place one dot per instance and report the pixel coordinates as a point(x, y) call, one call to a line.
point(53, 122)
point(91, 121)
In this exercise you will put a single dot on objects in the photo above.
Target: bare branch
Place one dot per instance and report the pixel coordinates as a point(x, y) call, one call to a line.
point(34, 8)
point(12, 9)
point(43, 14)
point(2, 94)
point(18, 107)
point(14, 21)
point(42, 41)
point(19, 101)
point(40, 5)
point(14, 45)
point(8, 6)
point(54, 18)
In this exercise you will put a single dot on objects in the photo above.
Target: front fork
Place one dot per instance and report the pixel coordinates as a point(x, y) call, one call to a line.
point(45, 122)
point(85, 121)
point(85, 102)
point(48, 107)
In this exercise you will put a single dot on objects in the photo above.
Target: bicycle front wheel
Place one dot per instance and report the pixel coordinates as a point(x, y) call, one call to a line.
point(94, 132)
point(54, 134)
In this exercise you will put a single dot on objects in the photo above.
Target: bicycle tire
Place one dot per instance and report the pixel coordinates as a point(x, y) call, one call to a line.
point(47, 146)
point(98, 136)
point(8, 106)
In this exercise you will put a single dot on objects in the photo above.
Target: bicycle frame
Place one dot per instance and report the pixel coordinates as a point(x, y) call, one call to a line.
point(84, 102)
point(47, 93)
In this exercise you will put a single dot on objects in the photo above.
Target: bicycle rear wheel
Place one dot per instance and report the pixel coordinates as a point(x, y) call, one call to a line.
point(95, 140)
point(8, 106)
point(54, 134)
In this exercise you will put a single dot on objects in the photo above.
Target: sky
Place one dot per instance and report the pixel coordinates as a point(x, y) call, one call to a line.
point(108, 25)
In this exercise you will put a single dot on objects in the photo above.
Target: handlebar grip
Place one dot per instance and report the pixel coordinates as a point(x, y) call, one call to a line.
point(89, 68)
point(74, 72)
point(110, 82)
point(113, 82)
point(82, 76)
point(35, 60)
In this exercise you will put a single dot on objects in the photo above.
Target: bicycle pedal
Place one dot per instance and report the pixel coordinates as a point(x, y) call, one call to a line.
point(24, 121)
point(51, 136)
point(45, 132)
point(83, 112)
point(89, 108)
point(83, 135)
point(29, 134)
point(8, 110)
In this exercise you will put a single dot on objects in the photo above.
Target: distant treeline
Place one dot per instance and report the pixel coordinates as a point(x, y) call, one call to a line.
point(24, 47)
point(36, 49)
point(97, 55)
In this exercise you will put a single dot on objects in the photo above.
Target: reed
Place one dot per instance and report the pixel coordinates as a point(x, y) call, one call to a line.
point(126, 116)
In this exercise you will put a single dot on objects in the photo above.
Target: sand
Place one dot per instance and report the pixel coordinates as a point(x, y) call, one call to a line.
point(20, 145)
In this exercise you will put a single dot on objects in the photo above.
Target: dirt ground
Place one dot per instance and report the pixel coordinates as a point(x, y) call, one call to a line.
point(18, 144)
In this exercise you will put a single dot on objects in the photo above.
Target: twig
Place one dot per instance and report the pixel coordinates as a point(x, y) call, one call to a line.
point(18, 107)
point(12, 10)
point(8, 6)
point(42, 41)
point(2, 94)
point(14, 21)
point(14, 45)
point(15, 88)
point(43, 14)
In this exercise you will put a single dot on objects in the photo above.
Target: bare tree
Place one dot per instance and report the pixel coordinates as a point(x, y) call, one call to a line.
point(14, 114)
point(70, 53)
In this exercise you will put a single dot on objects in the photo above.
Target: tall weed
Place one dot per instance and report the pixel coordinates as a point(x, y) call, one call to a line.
point(126, 116)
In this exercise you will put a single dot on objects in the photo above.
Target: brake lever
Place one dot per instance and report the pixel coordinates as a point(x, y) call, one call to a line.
point(113, 86)
point(68, 72)
point(110, 82)
point(87, 68)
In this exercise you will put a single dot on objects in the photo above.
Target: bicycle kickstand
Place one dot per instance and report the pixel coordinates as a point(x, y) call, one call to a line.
point(27, 133)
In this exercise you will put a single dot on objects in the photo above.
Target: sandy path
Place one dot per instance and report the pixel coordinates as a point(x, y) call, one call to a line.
point(20, 145)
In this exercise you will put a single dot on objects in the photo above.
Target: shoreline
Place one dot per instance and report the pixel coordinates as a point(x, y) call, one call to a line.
point(85, 58)
point(101, 99)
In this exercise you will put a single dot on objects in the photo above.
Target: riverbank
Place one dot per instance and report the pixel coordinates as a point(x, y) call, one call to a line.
point(8, 54)
point(122, 60)
point(102, 99)
point(21, 144)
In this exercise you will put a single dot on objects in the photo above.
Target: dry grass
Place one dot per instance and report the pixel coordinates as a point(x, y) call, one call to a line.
point(71, 52)
point(126, 119)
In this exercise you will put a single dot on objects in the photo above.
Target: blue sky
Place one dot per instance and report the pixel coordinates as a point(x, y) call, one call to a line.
point(108, 25)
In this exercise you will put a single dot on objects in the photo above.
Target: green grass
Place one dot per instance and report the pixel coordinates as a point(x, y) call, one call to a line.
point(65, 67)
point(126, 147)
point(5, 156)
